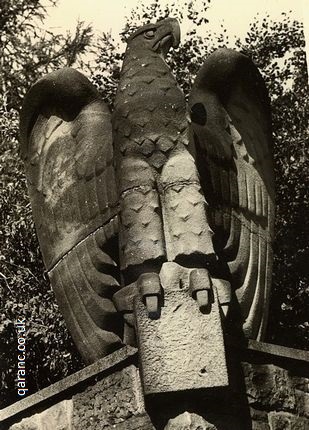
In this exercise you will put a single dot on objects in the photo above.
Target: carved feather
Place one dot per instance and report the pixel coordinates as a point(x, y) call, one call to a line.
point(231, 126)
point(67, 147)
point(162, 206)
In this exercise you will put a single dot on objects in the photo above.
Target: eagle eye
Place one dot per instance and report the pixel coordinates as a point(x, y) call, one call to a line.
point(149, 34)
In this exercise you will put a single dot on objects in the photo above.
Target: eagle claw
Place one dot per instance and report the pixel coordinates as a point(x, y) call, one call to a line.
point(200, 287)
point(152, 305)
point(202, 298)
point(150, 289)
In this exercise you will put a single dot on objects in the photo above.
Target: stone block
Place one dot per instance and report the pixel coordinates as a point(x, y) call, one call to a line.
point(57, 417)
point(258, 425)
point(302, 402)
point(102, 396)
point(269, 387)
point(110, 402)
point(287, 421)
point(58, 391)
point(259, 419)
point(136, 423)
point(301, 384)
point(188, 421)
point(183, 349)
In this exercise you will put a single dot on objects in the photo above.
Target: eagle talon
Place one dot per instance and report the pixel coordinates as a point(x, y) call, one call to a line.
point(150, 289)
point(202, 298)
point(152, 305)
point(200, 287)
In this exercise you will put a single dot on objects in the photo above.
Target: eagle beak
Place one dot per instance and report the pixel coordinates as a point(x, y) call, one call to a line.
point(172, 28)
point(170, 36)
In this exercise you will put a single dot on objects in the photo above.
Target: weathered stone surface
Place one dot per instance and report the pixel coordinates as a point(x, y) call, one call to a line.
point(278, 351)
point(136, 423)
point(269, 387)
point(157, 191)
point(183, 349)
point(67, 146)
point(188, 421)
point(83, 289)
point(287, 421)
point(258, 425)
point(113, 400)
point(57, 417)
point(109, 402)
point(187, 230)
point(169, 202)
point(301, 384)
point(244, 187)
point(140, 235)
point(259, 419)
point(59, 389)
point(302, 403)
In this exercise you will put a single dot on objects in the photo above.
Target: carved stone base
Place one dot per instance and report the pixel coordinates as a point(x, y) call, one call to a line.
point(184, 348)
point(269, 390)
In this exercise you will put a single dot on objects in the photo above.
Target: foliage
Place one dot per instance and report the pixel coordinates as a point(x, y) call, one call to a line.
point(27, 52)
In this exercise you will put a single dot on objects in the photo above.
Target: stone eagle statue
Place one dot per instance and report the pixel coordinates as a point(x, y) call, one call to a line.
point(159, 185)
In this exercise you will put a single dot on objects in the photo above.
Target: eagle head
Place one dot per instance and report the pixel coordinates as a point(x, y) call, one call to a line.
point(158, 37)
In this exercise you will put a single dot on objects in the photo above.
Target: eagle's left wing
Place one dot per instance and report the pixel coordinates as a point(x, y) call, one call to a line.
point(231, 129)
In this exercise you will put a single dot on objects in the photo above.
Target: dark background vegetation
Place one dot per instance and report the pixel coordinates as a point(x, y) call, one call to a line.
point(27, 51)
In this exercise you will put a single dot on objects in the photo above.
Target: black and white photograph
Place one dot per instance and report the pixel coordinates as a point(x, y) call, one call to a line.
point(154, 215)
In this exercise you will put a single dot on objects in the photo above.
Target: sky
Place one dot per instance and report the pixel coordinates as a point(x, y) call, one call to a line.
point(235, 15)
point(108, 15)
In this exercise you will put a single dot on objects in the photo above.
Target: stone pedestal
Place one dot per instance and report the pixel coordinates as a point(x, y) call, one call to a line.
point(269, 390)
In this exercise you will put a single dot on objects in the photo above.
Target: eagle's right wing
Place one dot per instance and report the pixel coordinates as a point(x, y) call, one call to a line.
point(66, 140)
